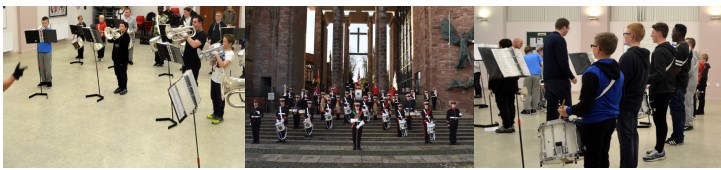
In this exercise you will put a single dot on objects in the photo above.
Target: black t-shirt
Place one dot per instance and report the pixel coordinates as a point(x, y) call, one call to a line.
point(190, 55)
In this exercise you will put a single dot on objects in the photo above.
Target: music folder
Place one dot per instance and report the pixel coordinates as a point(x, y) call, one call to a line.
point(581, 61)
point(504, 62)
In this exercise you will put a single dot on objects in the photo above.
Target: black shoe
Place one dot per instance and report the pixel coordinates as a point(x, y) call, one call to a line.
point(211, 72)
point(130, 62)
point(41, 84)
point(124, 91)
point(77, 57)
point(155, 65)
point(526, 112)
point(687, 128)
point(278, 141)
point(117, 90)
point(533, 110)
point(49, 84)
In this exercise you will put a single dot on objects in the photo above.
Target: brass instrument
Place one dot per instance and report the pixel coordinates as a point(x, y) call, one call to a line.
point(112, 33)
point(180, 33)
point(154, 43)
point(231, 86)
point(212, 51)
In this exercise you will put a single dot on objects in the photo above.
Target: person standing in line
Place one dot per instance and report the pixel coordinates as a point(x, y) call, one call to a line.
point(635, 67)
point(661, 86)
point(689, 98)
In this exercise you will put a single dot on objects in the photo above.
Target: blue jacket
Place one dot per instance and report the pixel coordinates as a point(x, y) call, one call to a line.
point(45, 47)
point(595, 79)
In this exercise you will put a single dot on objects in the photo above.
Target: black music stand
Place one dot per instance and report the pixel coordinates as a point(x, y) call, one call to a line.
point(77, 30)
point(184, 99)
point(94, 37)
point(168, 52)
point(40, 36)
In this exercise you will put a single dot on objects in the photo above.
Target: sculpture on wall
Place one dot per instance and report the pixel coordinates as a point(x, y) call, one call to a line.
point(448, 32)
point(460, 84)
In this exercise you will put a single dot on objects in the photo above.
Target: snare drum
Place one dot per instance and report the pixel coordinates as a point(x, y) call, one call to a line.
point(293, 111)
point(346, 110)
point(307, 124)
point(415, 114)
point(328, 117)
point(431, 128)
point(560, 140)
point(386, 118)
point(279, 126)
point(301, 111)
point(353, 120)
point(402, 124)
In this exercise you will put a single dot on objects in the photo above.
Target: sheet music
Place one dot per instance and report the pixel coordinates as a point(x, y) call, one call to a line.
point(521, 62)
point(505, 62)
point(177, 103)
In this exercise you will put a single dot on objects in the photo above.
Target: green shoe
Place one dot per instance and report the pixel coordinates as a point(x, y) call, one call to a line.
point(210, 116)
point(216, 121)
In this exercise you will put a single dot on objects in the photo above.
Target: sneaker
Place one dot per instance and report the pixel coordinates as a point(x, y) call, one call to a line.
point(673, 142)
point(217, 121)
point(505, 130)
point(210, 116)
point(653, 155)
point(687, 128)
point(124, 91)
point(117, 90)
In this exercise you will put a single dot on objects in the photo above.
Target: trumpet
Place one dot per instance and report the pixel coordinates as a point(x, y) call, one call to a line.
point(231, 86)
point(112, 33)
point(212, 51)
point(180, 33)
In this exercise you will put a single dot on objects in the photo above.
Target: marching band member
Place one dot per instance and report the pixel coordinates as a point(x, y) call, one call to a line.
point(255, 116)
point(400, 115)
point(220, 65)
point(452, 116)
point(190, 54)
point(309, 117)
point(346, 105)
point(357, 126)
point(282, 117)
point(120, 58)
point(334, 101)
point(427, 117)
point(434, 97)
point(328, 112)
point(365, 107)
point(410, 107)
point(385, 110)
point(426, 97)
point(296, 116)
point(45, 57)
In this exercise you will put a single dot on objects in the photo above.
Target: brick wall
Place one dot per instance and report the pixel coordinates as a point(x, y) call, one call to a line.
point(431, 53)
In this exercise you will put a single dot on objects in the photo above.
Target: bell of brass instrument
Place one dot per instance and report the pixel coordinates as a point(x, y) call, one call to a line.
point(212, 51)
point(154, 43)
point(231, 86)
point(112, 33)
point(180, 33)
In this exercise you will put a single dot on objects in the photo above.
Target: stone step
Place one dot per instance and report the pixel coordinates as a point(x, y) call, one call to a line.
point(366, 151)
point(358, 161)
point(344, 129)
point(397, 147)
point(317, 134)
point(248, 141)
point(364, 138)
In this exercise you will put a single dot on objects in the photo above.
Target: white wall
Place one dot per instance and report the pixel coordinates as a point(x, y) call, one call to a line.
point(12, 21)
point(14, 30)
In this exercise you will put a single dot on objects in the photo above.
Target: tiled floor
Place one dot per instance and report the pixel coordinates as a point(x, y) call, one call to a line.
point(69, 130)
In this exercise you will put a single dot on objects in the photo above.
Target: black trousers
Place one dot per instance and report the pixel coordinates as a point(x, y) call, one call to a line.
point(121, 74)
point(597, 139)
point(408, 122)
point(433, 100)
point(329, 124)
point(476, 84)
point(507, 106)
point(398, 127)
point(158, 59)
point(101, 52)
point(426, 136)
point(659, 104)
point(628, 137)
point(453, 128)
point(255, 125)
point(81, 50)
point(701, 88)
point(296, 121)
point(357, 135)
point(216, 95)
point(556, 91)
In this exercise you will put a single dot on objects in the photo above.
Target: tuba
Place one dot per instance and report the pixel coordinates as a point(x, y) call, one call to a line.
point(180, 33)
point(231, 86)
point(212, 51)
point(153, 43)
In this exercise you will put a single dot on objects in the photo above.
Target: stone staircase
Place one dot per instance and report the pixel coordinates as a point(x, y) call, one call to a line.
point(381, 148)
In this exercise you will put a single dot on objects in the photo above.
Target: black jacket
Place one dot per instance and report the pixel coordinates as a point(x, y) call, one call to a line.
point(555, 63)
point(120, 49)
point(214, 32)
point(635, 67)
point(704, 77)
point(660, 80)
point(504, 85)
point(682, 55)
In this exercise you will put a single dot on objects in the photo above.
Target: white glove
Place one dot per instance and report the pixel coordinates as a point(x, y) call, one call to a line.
point(360, 125)
point(573, 118)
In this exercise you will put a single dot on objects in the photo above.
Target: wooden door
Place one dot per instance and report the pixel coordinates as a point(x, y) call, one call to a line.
point(208, 14)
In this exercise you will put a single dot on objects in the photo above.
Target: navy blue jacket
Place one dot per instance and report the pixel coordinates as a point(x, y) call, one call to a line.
point(555, 58)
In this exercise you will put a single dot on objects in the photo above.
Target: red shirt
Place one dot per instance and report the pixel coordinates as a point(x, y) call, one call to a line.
point(375, 90)
point(392, 92)
point(701, 66)
point(101, 28)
